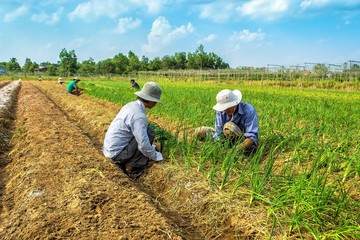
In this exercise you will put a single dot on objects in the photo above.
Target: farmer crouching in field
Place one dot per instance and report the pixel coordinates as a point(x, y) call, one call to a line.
point(235, 120)
point(73, 88)
point(128, 140)
point(134, 84)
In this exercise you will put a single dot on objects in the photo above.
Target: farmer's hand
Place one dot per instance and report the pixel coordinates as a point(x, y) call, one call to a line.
point(159, 156)
point(245, 144)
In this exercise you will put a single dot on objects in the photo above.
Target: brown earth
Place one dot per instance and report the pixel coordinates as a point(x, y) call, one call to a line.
point(55, 183)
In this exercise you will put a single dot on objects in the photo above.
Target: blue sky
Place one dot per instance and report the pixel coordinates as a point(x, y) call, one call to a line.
point(243, 32)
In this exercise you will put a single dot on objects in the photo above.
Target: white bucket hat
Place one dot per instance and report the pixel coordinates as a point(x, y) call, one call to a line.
point(226, 99)
point(150, 92)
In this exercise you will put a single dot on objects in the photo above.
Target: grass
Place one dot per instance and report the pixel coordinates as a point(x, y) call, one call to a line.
point(306, 168)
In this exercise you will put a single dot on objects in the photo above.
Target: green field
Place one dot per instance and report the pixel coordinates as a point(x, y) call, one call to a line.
point(306, 170)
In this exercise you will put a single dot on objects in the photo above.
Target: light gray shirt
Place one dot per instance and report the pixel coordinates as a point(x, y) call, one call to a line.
point(130, 122)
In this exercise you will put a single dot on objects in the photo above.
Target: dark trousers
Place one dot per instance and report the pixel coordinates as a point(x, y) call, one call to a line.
point(131, 155)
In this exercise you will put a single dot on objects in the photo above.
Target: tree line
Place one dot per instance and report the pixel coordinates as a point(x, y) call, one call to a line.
point(120, 64)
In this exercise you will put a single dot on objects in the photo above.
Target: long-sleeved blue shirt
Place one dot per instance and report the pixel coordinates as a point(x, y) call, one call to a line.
point(130, 122)
point(245, 118)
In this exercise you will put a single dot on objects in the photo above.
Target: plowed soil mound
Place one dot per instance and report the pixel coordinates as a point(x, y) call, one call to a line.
point(56, 184)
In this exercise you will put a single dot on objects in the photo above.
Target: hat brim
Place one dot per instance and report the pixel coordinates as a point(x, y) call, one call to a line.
point(222, 107)
point(147, 97)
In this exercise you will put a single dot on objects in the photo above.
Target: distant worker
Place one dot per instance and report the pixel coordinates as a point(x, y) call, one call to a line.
point(40, 78)
point(235, 120)
point(73, 88)
point(134, 84)
point(129, 138)
point(60, 81)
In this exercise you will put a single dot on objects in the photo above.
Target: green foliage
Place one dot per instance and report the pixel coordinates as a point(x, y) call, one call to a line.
point(87, 67)
point(122, 64)
point(27, 65)
point(155, 64)
point(52, 69)
point(68, 62)
point(106, 67)
point(13, 65)
point(320, 69)
point(134, 62)
point(120, 61)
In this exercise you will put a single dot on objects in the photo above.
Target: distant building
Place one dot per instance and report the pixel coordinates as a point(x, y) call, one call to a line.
point(2, 71)
point(41, 69)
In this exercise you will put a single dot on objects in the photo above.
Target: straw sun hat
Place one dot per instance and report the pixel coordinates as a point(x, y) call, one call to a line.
point(226, 99)
point(150, 92)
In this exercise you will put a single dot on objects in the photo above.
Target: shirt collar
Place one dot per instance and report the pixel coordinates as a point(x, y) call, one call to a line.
point(141, 104)
point(240, 110)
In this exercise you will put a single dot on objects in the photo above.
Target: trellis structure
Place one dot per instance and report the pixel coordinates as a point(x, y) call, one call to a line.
point(336, 77)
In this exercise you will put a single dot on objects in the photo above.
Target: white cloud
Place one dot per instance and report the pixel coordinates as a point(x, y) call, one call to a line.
point(264, 9)
point(20, 11)
point(313, 3)
point(308, 4)
point(126, 24)
point(208, 39)
point(152, 6)
point(228, 10)
point(113, 8)
point(305, 4)
point(163, 34)
point(217, 11)
point(46, 18)
point(95, 8)
point(246, 36)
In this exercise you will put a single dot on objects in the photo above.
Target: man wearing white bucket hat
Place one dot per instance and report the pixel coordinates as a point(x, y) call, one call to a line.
point(128, 140)
point(235, 120)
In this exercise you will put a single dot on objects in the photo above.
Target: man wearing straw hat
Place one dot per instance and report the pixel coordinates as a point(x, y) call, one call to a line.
point(128, 140)
point(235, 120)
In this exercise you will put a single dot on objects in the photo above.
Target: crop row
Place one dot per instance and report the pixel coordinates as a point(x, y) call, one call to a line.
point(306, 167)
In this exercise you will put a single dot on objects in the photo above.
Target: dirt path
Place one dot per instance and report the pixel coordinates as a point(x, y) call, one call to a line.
point(57, 184)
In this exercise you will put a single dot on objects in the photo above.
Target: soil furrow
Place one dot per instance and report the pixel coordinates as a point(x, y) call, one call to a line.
point(94, 116)
point(58, 185)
